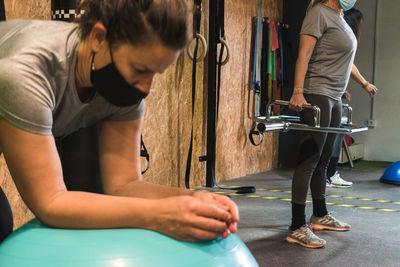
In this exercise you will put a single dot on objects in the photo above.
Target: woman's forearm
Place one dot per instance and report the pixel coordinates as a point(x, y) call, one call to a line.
point(356, 76)
point(74, 209)
point(300, 71)
point(142, 189)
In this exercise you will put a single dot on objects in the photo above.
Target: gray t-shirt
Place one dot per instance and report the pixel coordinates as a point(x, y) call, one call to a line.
point(330, 65)
point(37, 80)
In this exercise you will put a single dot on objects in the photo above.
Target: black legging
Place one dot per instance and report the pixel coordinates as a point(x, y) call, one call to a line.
point(315, 149)
point(6, 217)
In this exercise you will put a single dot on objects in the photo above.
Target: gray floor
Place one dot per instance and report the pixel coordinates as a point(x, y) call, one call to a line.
point(373, 241)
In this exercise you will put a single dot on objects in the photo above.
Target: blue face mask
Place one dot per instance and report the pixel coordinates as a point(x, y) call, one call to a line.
point(347, 4)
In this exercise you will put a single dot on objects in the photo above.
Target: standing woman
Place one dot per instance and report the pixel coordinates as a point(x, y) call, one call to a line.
point(323, 67)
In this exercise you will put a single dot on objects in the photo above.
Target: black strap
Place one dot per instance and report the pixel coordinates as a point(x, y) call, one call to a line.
point(221, 35)
point(189, 157)
point(2, 11)
point(196, 29)
point(196, 17)
point(220, 20)
point(253, 132)
point(144, 154)
point(264, 68)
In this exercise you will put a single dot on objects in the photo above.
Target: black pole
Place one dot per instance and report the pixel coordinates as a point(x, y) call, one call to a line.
point(211, 95)
point(2, 11)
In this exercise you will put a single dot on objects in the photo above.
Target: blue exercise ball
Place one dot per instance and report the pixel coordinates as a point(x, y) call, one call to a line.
point(392, 174)
point(35, 245)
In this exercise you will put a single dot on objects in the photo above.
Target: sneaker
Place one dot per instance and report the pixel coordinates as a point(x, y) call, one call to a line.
point(329, 184)
point(305, 237)
point(328, 222)
point(337, 181)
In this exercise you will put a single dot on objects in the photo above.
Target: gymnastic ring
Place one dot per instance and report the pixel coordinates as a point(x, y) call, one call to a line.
point(228, 51)
point(204, 43)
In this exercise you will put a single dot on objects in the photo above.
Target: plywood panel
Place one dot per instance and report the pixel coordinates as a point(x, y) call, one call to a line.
point(235, 154)
point(28, 9)
point(167, 128)
point(168, 124)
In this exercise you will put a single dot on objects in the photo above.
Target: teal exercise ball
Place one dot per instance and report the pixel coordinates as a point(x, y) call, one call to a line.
point(392, 174)
point(36, 245)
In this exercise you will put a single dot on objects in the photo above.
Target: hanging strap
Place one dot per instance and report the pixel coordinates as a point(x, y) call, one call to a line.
point(196, 30)
point(257, 86)
point(257, 62)
point(144, 154)
point(2, 11)
point(221, 39)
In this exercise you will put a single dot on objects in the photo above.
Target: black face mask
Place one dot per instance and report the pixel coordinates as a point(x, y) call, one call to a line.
point(110, 84)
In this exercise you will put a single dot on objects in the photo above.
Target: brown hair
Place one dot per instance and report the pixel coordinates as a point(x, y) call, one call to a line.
point(354, 18)
point(315, 2)
point(138, 22)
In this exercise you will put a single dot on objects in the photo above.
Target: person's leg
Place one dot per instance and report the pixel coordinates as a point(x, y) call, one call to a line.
point(333, 176)
point(309, 154)
point(333, 163)
point(321, 219)
point(6, 217)
point(335, 154)
point(318, 180)
point(311, 146)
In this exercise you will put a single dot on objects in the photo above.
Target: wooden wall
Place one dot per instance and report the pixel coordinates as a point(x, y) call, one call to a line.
point(172, 124)
point(29, 9)
point(235, 155)
point(168, 117)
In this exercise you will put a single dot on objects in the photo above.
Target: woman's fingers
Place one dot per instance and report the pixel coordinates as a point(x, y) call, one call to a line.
point(193, 234)
point(207, 224)
point(227, 202)
point(297, 102)
point(214, 211)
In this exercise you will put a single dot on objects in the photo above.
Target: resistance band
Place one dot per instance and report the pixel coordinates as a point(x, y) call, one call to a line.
point(257, 76)
point(196, 31)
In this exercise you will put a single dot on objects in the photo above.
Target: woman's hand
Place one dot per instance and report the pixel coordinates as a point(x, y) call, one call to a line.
point(371, 89)
point(225, 203)
point(202, 216)
point(297, 101)
point(346, 95)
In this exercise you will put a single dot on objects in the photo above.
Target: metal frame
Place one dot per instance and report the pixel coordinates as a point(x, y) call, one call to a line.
point(286, 123)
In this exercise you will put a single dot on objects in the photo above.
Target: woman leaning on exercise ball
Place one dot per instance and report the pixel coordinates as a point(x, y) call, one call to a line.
point(57, 77)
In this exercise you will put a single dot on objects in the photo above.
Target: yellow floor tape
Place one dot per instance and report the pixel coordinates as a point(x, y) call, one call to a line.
point(309, 201)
